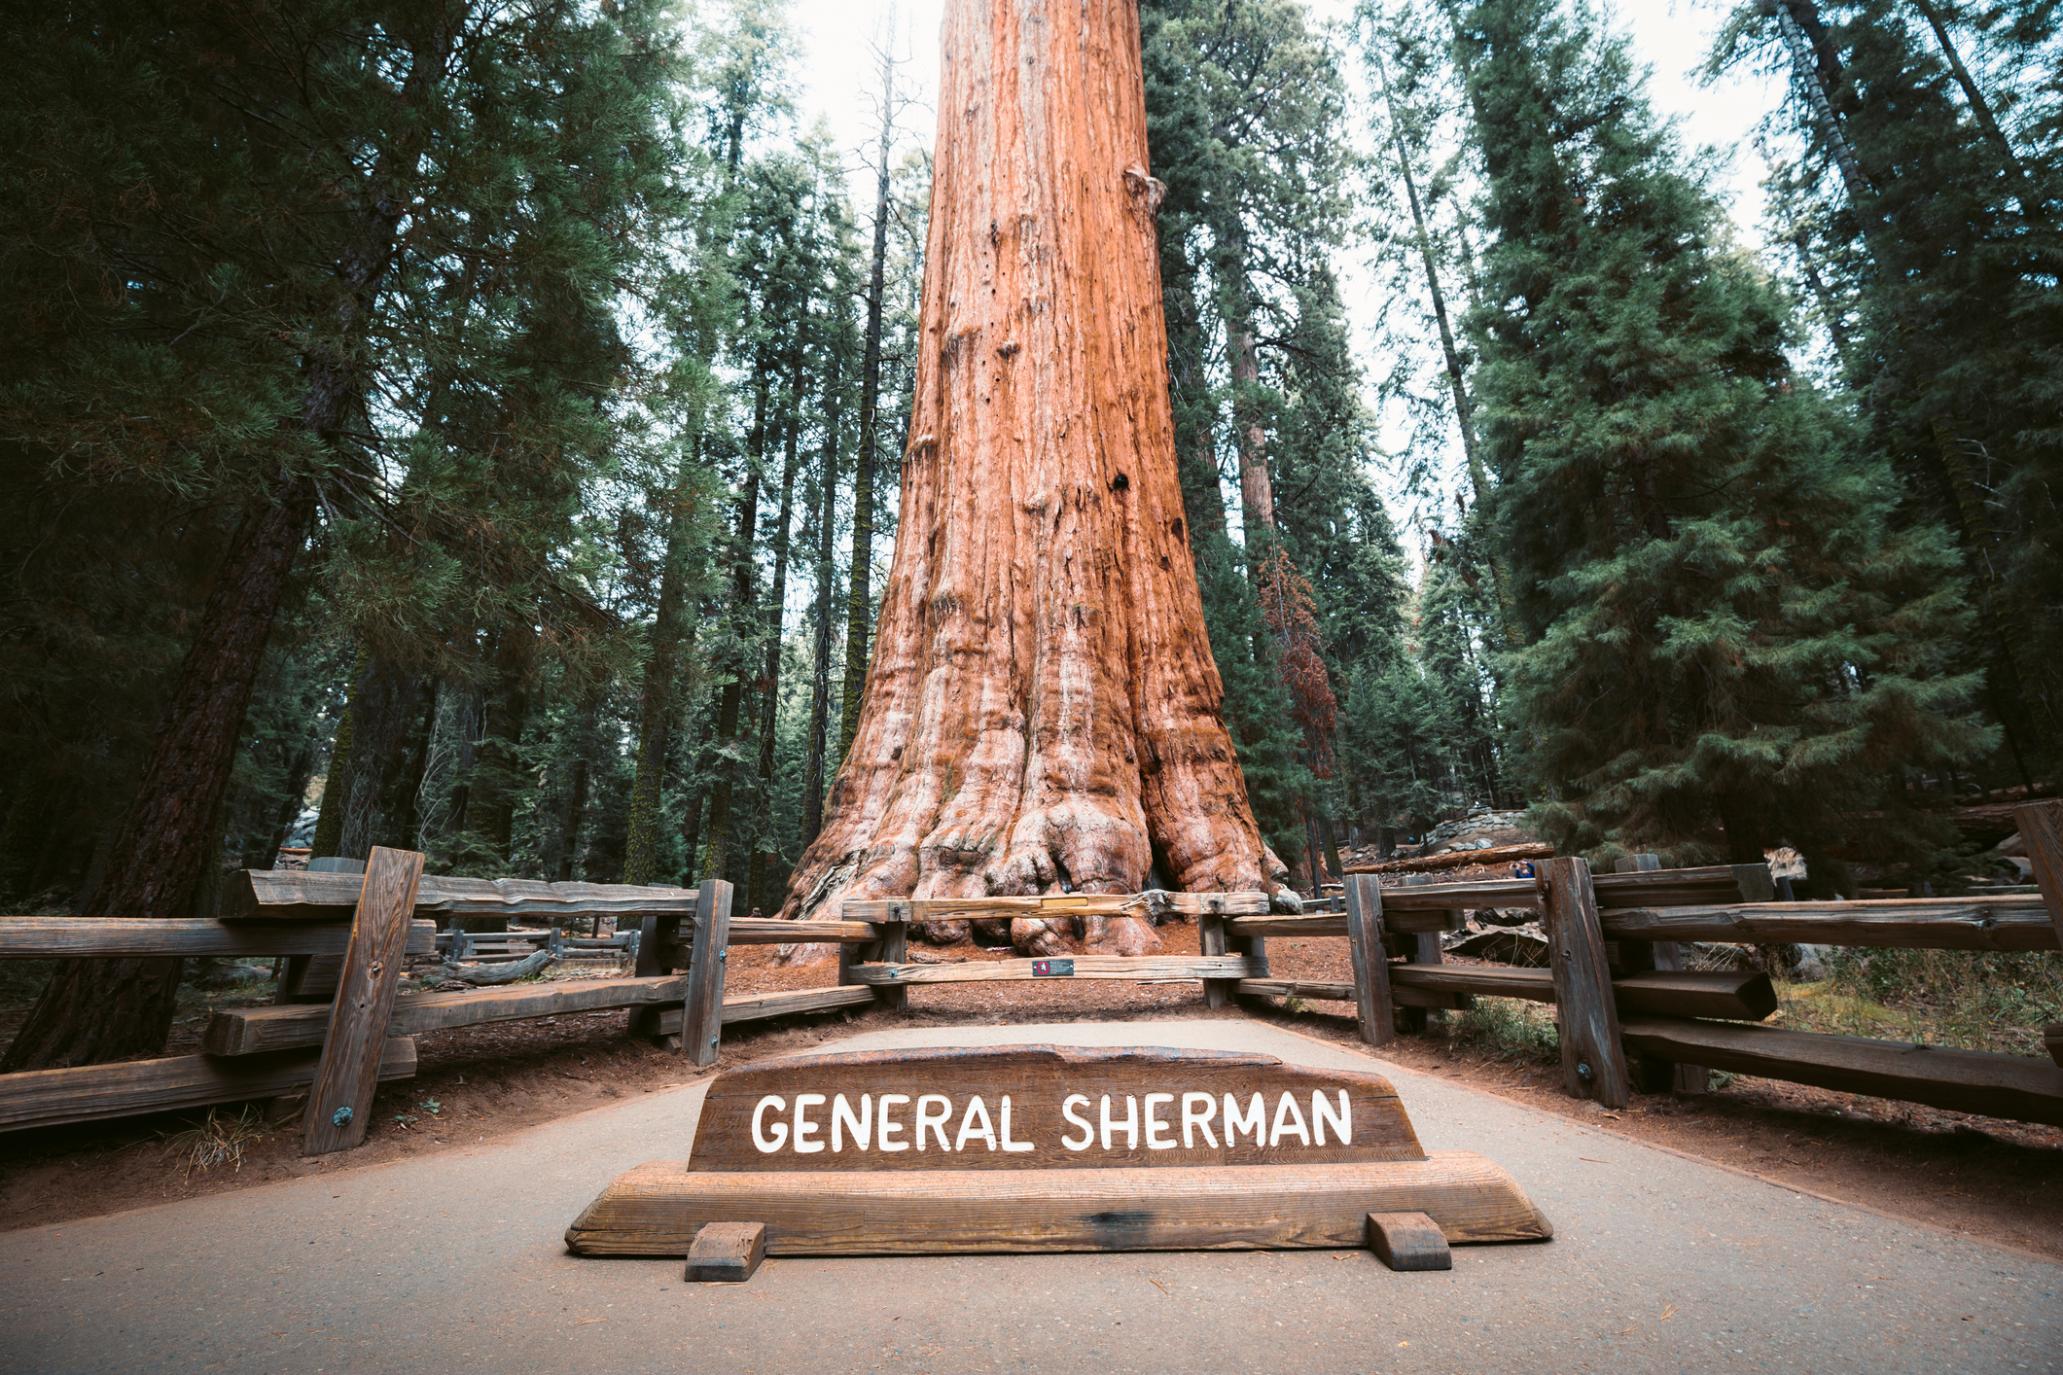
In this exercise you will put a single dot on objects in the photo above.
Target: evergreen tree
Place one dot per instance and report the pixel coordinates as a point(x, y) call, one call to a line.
point(1721, 623)
point(1928, 212)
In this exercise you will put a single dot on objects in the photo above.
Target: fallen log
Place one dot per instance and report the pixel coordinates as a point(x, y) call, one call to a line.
point(506, 972)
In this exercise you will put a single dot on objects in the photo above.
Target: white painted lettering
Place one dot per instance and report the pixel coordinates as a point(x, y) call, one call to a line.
point(1010, 1145)
point(933, 1111)
point(1289, 1119)
point(1075, 1119)
point(1110, 1125)
point(887, 1131)
point(1254, 1121)
point(1197, 1111)
point(806, 1127)
point(976, 1109)
point(763, 1138)
point(1342, 1122)
point(1157, 1138)
point(845, 1121)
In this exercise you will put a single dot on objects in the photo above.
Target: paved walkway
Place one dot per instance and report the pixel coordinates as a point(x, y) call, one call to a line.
point(454, 1262)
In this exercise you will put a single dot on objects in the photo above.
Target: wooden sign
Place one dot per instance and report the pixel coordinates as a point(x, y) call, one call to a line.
point(1044, 1107)
point(1052, 1148)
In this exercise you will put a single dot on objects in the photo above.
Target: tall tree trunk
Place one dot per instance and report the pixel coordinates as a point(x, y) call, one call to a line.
point(336, 790)
point(1236, 303)
point(1818, 69)
point(1829, 304)
point(1980, 108)
point(104, 1009)
point(384, 705)
point(497, 775)
point(672, 637)
point(731, 698)
point(776, 615)
point(563, 843)
point(1450, 353)
point(1196, 457)
point(859, 599)
point(1043, 712)
point(816, 738)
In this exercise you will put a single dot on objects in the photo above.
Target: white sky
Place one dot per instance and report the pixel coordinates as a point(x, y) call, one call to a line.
point(839, 71)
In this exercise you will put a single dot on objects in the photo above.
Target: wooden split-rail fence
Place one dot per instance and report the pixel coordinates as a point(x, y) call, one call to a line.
point(1629, 1014)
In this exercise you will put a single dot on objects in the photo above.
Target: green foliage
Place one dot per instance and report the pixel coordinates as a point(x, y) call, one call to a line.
point(1722, 624)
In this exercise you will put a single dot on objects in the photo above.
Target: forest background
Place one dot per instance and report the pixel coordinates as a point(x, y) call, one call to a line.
point(477, 428)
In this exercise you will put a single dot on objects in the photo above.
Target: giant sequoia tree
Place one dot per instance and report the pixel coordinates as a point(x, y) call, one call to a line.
point(1042, 711)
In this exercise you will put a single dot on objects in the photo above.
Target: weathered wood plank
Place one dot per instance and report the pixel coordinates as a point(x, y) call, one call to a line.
point(2012, 922)
point(774, 931)
point(1290, 927)
point(726, 1253)
point(1374, 1009)
point(1325, 990)
point(752, 1007)
point(1152, 902)
point(2023, 1087)
point(2041, 830)
point(85, 1093)
point(1408, 1241)
point(1593, 1060)
point(1458, 859)
point(340, 1098)
point(300, 893)
point(257, 1030)
point(884, 974)
point(702, 1022)
point(656, 1209)
point(2052, 1039)
point(1748, 996)
point(44, 938)
point(755, 1007)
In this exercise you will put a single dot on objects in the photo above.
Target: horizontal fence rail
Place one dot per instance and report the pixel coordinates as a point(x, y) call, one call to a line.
point(1630, 1014)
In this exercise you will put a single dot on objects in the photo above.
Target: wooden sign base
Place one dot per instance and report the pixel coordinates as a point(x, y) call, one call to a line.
point(1260, 1155)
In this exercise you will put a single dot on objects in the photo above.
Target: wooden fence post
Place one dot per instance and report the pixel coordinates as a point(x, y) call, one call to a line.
point(1593, 1058)
point(1651, 1074)
point(340, 1098)
point(1211, 940)
point(2041, 830)
point(894, 948)
point(1417, 947)
point(1373, 1003)
point(702, 1017)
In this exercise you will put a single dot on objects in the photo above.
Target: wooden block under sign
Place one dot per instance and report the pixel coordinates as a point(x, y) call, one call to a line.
point(1409, 1241)
point(727, 1252)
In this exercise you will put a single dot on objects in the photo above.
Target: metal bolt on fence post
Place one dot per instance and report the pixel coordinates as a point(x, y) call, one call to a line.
point(722, 955)
point(1583, 1070)
point(341, 1116)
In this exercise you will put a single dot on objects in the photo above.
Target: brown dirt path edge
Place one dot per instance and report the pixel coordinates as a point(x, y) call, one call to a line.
point(1977, 1177)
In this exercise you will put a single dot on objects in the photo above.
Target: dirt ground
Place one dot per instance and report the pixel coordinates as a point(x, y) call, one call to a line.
point(1978, 1176)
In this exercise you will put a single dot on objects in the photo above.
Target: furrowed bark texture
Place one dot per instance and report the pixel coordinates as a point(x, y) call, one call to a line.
point(1042, 710)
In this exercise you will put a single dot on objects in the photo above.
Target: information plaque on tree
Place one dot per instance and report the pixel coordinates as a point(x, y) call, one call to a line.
point(1051, 1148)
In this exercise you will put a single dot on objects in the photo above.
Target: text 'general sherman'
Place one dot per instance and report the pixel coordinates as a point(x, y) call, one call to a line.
point(819, 1123)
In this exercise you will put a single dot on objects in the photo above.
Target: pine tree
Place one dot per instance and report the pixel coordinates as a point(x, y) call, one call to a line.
point(1938, 221)
point(1721, 623)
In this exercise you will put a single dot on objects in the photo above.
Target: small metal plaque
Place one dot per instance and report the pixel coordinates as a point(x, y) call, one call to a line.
point(1052, 969)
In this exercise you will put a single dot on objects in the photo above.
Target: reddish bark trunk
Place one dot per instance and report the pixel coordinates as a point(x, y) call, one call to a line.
point(1042, 711)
